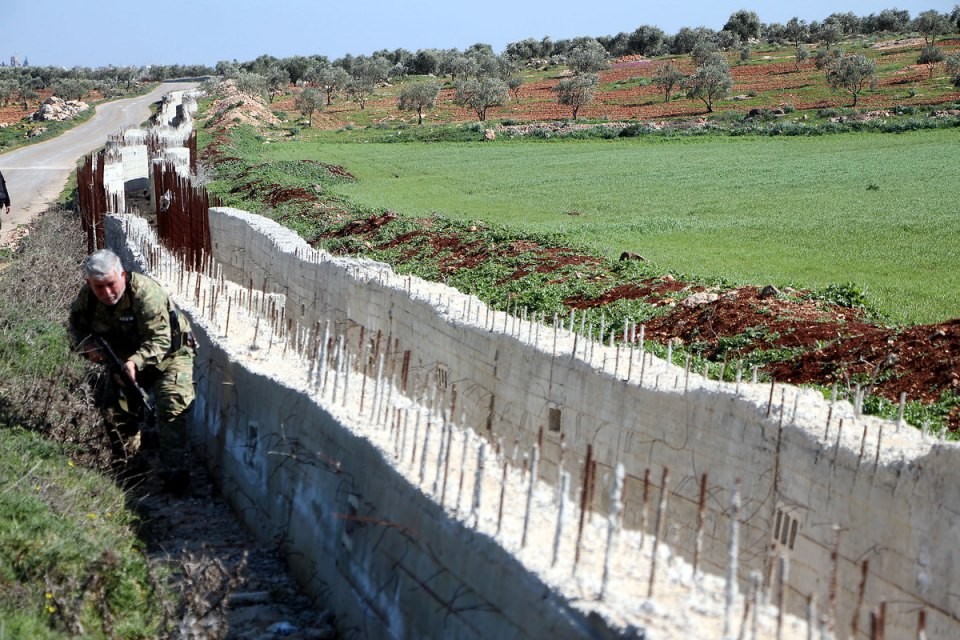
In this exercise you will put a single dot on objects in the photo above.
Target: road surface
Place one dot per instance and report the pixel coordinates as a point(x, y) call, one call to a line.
point(36, 174)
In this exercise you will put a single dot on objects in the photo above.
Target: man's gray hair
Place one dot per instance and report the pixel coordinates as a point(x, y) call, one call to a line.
point(101, 264)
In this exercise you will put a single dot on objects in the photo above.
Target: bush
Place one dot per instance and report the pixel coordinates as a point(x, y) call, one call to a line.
point(834, 112)
point(634, 130)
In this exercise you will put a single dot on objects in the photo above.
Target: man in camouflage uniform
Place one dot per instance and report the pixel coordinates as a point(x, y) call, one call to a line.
point(153, 341)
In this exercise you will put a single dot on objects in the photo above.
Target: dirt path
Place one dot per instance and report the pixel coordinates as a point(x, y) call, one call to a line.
point(222, 569)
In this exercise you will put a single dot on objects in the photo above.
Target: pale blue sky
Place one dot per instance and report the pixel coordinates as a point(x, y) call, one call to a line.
point(101, 32)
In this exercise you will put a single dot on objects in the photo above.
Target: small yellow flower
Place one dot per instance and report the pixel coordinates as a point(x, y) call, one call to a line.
point(69, 463)
point(49, 595)
point(51, 608)
point(92, 516)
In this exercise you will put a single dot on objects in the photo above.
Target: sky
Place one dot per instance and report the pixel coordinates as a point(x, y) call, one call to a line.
point(99, 33)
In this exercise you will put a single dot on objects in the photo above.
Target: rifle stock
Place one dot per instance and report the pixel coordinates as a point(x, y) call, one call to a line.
point(128, 380)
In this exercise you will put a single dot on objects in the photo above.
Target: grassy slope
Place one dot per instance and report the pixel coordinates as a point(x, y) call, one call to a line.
point(746, 209)
point(69, 553)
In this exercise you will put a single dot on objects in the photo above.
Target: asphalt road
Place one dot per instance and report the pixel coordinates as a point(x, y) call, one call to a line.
point(36, 174)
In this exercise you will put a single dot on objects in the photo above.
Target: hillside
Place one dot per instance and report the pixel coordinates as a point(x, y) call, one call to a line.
point(770, 79)
point(829, 338)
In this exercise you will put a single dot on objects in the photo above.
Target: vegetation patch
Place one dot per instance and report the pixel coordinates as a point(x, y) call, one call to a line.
point(489, 209)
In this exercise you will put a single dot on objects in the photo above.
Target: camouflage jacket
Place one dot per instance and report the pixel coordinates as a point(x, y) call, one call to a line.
point(138, 327)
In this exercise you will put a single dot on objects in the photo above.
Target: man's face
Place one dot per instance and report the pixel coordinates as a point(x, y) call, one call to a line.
point(110, 288)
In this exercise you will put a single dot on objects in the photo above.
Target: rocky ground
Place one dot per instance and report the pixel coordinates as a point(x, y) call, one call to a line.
point(231, 586)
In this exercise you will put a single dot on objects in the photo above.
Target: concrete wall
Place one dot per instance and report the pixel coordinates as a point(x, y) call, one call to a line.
point(383, 554)
point(821, 487)
point(889, 496)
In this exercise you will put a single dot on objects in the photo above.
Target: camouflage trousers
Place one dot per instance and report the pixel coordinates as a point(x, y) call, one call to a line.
point(173, 393)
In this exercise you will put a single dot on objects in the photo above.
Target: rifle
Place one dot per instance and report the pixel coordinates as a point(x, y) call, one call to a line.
point(127, 379)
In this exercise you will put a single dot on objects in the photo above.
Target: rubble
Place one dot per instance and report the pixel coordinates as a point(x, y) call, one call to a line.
point(58, 109)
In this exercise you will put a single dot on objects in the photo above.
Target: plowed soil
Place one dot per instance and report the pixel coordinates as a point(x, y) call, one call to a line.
point(818, 342)
point(811, 341)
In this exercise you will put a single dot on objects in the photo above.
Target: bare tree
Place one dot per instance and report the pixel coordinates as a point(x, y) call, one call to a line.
point(418, 96)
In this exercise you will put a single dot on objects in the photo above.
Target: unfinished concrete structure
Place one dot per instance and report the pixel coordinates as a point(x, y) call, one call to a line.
point(386, 430)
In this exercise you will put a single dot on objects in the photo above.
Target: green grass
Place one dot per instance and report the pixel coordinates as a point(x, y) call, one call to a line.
point(67, 552)
point(70, 557)
point(872, 209)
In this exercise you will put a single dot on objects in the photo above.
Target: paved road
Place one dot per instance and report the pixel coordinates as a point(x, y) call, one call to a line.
point(36, 174)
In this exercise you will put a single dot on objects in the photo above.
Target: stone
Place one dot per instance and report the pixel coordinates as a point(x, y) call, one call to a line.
point(697, 299)
point(58, 109)
point(768, 291)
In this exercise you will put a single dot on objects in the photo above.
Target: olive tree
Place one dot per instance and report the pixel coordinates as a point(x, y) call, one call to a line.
point(72, 88)
point(802, 55)
point(797, 31)
point(588, 57)
point(711, 81)
point(418, 96)
point(360, 90)
point(278, 79)
point(645, 40)
point(953, 69)
point(930, 56)
point(578, 91)
point(852, 73)
point(514, 82)
point(252, 84)
point(745, 24)
point(28, 91)
point(931, 24)
point(827, 57)
point(308, 101)
point(480, 94)
point(667, 76)
point(702, 51)
point(7, 90)
point(330, 79)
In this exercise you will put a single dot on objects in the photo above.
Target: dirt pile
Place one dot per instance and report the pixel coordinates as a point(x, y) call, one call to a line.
point(233, 107)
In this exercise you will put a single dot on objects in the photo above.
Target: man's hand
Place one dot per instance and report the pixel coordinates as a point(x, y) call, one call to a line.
point(8, 209)
point(131, 370)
